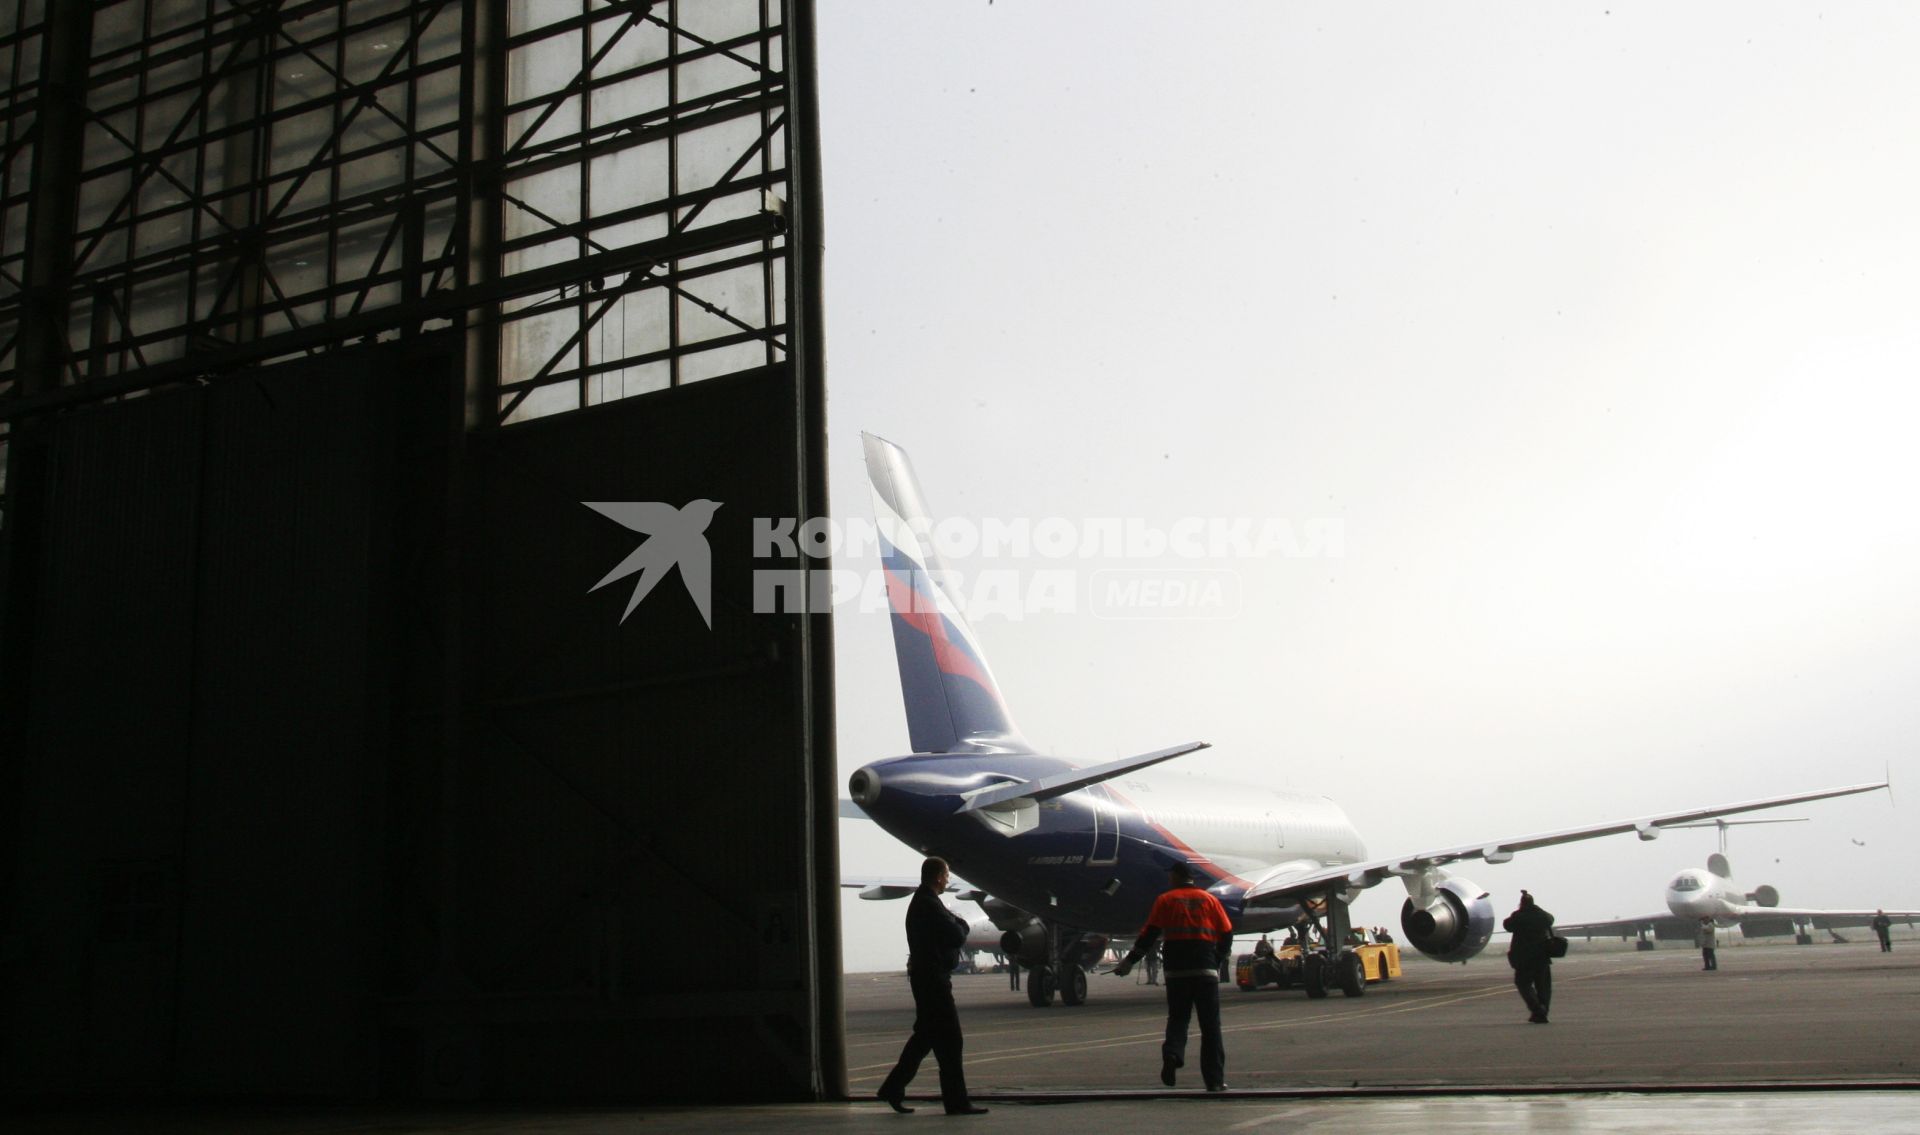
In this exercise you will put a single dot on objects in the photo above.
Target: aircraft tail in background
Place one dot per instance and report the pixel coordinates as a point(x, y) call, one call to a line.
point(953, 703)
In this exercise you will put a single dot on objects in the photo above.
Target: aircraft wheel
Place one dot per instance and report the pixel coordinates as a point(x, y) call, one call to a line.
point(1040, 988)
point(1352, 975)
point(1313, 976)
point(1073, 990)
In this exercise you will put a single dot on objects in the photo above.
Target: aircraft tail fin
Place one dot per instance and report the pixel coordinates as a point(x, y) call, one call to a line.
point(953, 702)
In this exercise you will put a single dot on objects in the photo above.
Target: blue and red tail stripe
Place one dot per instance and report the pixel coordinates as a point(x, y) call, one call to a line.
point(952, 702)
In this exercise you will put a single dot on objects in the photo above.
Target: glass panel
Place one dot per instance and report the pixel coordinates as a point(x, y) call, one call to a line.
point(317, 142)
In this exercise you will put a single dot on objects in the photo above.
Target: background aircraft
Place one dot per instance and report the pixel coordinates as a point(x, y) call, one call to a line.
point(1070, 854)
point(982, 932)
point(1710, 892)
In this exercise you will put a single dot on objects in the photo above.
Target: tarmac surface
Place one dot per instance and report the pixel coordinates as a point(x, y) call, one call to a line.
point(1828, 1015)
point(1780, 1038)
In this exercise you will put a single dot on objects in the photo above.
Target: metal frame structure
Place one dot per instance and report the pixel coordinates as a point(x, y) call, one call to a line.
point(193, 186)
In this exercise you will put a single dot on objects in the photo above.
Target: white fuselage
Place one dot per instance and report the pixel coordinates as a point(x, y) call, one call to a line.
point(1697, 893)
point(1245, 829)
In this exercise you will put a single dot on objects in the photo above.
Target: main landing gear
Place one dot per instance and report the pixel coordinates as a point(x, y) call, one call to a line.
point(1064, 972)
point(1333, 964)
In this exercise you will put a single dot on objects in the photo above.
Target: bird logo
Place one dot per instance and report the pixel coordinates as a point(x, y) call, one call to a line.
point(675, 537)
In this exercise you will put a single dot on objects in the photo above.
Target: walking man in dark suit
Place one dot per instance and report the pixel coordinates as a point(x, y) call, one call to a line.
point(934, 938)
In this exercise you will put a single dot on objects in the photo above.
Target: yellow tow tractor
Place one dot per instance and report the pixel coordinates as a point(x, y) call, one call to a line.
point(1314, 970)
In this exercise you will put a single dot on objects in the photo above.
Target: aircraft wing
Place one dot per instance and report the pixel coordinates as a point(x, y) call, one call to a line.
point(1765, 920)
point(1838, 917)
point(1298, 881)
point(1755, 922)
point(1662, 925)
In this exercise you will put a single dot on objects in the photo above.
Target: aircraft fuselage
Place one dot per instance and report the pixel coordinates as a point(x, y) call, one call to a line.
point(1095, 858)
point(1697, 893)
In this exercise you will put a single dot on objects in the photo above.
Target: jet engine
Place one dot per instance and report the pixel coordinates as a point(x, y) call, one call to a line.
point(1764, 895)
point(1028, 946)
point(1454, 927)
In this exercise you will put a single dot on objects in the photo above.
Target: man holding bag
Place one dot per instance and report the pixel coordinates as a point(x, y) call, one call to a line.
point(1530, 956)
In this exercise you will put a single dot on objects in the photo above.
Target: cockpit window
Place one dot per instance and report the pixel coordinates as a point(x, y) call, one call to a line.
point(1687, 883)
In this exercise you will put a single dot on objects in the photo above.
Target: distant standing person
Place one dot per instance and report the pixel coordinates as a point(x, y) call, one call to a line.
point(1531, 925)
point(1153, 967)
point(934, 937)
point(1198, 936)
point(1883, 929)
point(1707, 938)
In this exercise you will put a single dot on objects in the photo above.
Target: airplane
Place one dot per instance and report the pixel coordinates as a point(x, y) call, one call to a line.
point(1710, 892)
point(1072, 854)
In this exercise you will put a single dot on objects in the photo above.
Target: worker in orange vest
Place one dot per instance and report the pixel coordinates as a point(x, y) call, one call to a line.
point(1198, 935)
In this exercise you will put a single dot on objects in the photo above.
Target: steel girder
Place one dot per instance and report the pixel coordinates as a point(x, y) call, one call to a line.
point(598, 183)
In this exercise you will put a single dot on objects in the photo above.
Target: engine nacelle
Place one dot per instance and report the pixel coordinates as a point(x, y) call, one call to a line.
point(1457, 925)
point(1765, 895)
point(1028, 945)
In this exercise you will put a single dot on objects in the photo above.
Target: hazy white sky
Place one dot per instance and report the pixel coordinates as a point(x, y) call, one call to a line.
point(1596, 327)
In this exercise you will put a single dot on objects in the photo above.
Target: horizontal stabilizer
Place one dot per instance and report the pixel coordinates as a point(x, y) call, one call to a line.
point(1059, 784)
point(889, 891)
point(900, 886)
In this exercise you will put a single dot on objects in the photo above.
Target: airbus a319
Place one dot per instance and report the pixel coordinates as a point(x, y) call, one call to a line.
point(1071, 854)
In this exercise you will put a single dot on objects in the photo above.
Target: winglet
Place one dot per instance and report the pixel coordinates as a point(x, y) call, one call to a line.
point(1059, 784)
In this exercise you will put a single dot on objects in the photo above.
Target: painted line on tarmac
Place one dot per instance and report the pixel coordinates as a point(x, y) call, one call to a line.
point(1287, 1116)
point(1159, 1030)
point(1424, 1003)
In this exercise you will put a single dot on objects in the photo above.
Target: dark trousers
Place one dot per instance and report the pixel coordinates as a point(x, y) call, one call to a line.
point(1707, 958)
point(1186, 997)
point(1535, 983)
point(1886, 942)
point(936, 1029)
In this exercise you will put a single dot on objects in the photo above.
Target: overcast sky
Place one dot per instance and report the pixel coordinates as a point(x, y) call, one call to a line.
point(1595, 329)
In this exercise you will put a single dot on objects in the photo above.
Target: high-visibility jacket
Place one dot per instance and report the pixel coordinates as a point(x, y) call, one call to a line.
point(1196, 928)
